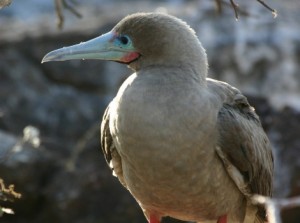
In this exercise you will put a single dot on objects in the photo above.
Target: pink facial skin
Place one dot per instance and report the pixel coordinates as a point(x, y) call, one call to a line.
point(130, 57)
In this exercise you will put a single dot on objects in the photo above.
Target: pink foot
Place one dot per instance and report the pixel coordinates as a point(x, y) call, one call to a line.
point(155, 219)
point(222, 219)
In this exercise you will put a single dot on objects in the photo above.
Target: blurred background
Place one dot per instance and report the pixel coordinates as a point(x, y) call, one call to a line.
point(50, 113)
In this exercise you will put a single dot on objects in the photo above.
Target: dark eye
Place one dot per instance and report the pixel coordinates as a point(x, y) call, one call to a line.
point(124, 40)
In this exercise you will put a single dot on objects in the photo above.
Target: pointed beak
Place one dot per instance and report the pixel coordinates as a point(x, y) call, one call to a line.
point(104, 47)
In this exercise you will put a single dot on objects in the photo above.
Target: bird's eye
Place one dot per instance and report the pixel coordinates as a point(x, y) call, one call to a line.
point(124, 40)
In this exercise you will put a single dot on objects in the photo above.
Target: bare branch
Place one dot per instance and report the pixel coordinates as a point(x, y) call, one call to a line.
point(240, 11)
point(8, 193)
point(218, 6)
point(59, 14)
point(274, 12)
point(81, 145)
point(71, 9)
point(274, 206)
point(59, 6)
point(281, 203)
point(235, 8)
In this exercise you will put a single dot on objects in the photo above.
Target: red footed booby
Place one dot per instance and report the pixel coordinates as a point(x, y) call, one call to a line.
point(184, 145)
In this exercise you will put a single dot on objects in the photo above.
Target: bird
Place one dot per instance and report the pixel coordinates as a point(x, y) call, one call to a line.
point(184, 145)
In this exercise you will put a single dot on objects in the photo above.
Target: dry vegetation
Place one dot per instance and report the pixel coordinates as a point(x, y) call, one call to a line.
point(7, 194)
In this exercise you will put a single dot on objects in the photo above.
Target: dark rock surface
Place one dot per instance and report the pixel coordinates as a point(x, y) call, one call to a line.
point(61, 172)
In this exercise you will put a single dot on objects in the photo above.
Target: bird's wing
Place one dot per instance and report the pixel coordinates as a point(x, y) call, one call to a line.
point(110, 152)
point(243, 145)
point(106, 138)
point(246, 145)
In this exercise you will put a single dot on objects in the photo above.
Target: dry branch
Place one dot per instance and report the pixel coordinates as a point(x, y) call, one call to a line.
point(7, 194)
point(274, 12)
point(60, 5)
point(237, 10)
point(274, 206)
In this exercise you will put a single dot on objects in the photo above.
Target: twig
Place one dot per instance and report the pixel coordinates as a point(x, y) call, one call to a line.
point(235, 8)
point(71, 9)
point(274, 206)
point(59, 6)
point(8, 193)
point(219, 6)
point(228, 4)
point(274, 12)
point(59, 14)
point(81, 145)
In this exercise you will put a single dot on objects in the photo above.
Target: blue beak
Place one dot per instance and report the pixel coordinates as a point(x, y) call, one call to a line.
point(104, 47)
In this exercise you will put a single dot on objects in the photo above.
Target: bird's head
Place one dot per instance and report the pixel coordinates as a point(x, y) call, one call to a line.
point(141, 40)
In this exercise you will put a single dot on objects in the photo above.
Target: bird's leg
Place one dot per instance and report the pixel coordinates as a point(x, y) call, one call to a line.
point(154, 219)
point(222, 219)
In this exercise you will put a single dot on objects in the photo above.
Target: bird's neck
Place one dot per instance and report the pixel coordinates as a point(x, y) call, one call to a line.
point(191, 64)
point(179, 72)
